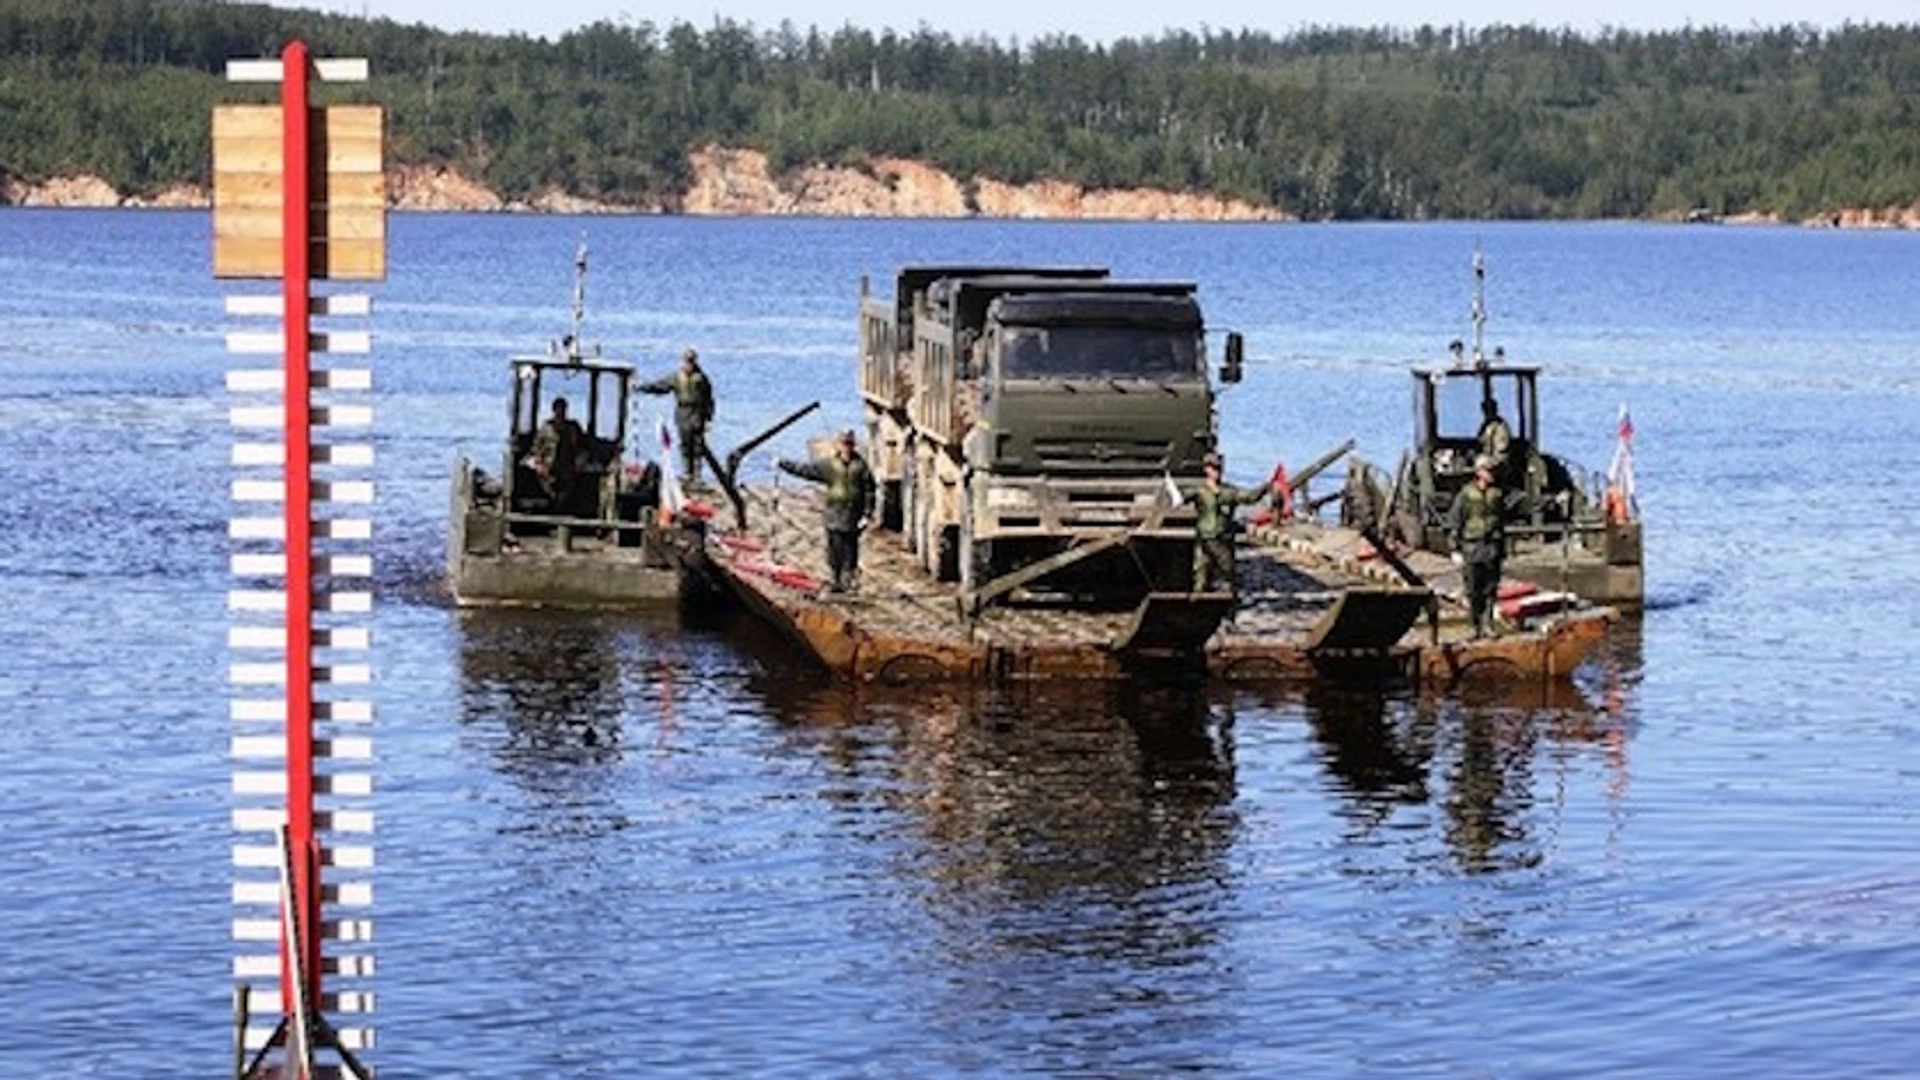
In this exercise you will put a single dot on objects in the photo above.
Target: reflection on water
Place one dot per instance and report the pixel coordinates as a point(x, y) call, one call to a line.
point(1475, 755)
point(1378, 766)
point(549, 694)
point(554, 684)
point(1029, 793)
point(1068, 847)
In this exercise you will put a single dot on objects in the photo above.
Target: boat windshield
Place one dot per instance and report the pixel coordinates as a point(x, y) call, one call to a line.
point(594, 398)
point(1457, 406)
point(1100, 352)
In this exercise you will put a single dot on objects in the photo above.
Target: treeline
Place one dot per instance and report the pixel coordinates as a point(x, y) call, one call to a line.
point(1501, 121)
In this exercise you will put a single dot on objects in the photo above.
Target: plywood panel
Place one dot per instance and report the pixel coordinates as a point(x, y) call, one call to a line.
point(355, 121)
point(343, 259)
point(336, 224)
point(356, 191)
point(356, 260)
point(246, 122)
point(246, 189)
point(246, 257)
point(352, 156)
point(349, 192)
point(248, 223)
point(246, 155)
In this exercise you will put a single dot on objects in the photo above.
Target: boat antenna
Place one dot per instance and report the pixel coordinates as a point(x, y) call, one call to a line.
point(579, 298)
point(1479, 305)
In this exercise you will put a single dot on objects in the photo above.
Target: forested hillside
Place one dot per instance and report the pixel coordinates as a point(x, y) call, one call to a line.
point(1343, 123)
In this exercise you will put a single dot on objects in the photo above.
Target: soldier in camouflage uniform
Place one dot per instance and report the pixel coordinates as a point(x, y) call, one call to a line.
point(1479, 527)
point(850, 496)
point(556, 455)
point(693, 411)
point(1214, 527)
point(1496, 440)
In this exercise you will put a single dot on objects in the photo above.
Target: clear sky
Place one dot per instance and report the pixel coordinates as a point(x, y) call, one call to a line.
point(1095, 21)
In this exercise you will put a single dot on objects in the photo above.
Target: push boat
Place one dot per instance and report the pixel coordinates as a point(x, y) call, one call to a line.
point(601, 542)
point(1579, 532)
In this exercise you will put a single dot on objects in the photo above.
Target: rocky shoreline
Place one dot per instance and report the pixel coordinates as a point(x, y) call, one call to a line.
point(736, 182)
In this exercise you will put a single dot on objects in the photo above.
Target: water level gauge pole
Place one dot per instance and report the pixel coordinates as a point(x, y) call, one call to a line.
point(279, 173)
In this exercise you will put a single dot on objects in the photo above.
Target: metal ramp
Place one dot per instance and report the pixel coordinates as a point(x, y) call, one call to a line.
point(1171, 622)
point(1368, 620)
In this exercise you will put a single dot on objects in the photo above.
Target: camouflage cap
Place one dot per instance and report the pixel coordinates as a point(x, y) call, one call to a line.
point(1211, 461)
point(848, 438)
point(1483, 463)
point(690, 354)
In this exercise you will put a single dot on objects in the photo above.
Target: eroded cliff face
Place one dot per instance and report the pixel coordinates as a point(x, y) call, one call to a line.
point(737, 182)
point(436, 187)
point(1890, 217)
point(731, 181)
point(83, 190)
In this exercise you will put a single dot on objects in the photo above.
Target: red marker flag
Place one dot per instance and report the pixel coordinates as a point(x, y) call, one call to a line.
point(670, 496)
point(1620, 479)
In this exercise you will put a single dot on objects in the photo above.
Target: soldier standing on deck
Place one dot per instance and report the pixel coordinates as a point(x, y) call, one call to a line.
point(1479, 526)
point(1214, 527)
point(850, 495)
point(693, 411)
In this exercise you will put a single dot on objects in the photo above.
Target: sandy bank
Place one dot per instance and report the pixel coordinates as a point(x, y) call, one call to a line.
point(736, 182)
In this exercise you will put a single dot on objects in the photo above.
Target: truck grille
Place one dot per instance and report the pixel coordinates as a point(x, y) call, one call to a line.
point(1103, 455)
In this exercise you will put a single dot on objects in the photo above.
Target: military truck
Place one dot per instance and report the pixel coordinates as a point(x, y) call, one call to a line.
point(1029, 427)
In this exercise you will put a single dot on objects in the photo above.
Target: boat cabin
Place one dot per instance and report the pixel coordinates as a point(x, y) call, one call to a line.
point(1448, 411)
point(598, 396)
point(568, 522)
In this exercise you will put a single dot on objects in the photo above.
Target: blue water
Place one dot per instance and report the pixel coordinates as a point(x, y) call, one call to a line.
point(661, 846)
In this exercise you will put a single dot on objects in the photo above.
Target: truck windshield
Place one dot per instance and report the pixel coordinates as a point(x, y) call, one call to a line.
point(1099, 352)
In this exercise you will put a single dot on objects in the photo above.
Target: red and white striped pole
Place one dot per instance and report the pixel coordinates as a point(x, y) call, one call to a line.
point(306, 601)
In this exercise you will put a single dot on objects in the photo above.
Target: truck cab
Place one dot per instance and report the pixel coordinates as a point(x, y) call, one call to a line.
point(1017, 414)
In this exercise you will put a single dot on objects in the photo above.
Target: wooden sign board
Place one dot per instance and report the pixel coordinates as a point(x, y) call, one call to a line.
point(348, 189)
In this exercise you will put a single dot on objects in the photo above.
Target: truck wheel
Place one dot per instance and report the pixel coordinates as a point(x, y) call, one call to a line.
point(947, 554)
point(963, 556)
point(892, 504)
point(910, 515)
point(974, 559)
point(892, 492)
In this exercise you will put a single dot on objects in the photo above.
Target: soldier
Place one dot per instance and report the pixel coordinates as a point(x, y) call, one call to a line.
point(1479, 527)
point(1495, 437)
point(850, 494)
point(693, 411)
point(556, 454)
point(1214, 527)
